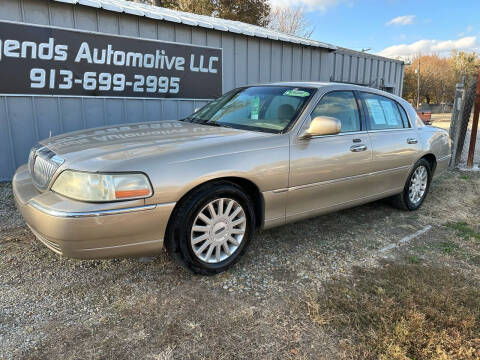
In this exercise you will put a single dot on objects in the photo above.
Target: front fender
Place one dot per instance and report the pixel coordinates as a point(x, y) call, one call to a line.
point(267, 168)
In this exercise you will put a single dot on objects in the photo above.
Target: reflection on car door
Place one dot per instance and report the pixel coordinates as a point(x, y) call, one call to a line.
point(395, 143)
point(330, 171)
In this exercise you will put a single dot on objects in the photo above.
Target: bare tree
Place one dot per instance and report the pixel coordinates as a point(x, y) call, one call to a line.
point(292, 21)
point(438, 75)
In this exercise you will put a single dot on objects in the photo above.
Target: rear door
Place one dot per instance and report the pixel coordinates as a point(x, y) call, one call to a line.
point(395, 143)
point(331, 170)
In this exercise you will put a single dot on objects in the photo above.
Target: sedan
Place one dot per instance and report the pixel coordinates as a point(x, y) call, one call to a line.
point(257, 157)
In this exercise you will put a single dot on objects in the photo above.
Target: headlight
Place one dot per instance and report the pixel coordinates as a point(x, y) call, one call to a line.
point(102, 187)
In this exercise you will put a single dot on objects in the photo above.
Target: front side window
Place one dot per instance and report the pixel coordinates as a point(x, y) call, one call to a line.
point(259, 108)
point(382, 112)
point(341, 105)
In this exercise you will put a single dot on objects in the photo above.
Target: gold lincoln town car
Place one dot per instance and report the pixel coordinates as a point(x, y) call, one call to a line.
point(257, 157)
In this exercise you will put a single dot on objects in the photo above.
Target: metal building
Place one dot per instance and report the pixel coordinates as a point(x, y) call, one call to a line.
point(250, 55)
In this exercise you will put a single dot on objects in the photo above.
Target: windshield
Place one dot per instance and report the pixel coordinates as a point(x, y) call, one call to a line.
point(259, 108)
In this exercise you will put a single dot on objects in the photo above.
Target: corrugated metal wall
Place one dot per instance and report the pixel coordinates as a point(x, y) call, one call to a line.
point(368, 70)
point(26, 119)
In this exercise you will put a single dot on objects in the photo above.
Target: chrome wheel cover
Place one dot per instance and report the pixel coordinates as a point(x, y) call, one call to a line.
point(418, 185)
point(218, 230)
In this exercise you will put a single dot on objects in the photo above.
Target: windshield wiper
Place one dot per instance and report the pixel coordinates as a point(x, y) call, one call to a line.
point(195, 120)
point(216, 124)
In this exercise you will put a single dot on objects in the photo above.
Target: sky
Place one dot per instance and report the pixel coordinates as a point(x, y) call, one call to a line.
point(395, 28)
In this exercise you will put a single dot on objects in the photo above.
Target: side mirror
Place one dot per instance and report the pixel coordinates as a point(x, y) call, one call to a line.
point(323, 125)
point(196, 109)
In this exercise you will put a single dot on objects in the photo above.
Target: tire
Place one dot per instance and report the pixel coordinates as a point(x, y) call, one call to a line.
point(404, 200)
point(223, 235)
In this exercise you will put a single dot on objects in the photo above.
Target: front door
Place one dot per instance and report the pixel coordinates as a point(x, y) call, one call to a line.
point(330, 171)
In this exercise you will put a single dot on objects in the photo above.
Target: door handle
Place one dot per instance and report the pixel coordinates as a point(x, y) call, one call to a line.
point(412, 141)
point(358, 148)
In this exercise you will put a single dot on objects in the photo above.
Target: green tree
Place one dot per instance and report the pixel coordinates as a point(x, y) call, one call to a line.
point(254, 12)
point(200, 7)
point(161, 3)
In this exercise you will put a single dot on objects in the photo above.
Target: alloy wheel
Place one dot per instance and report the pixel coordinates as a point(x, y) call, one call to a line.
point(418, 184)
point(218, 230)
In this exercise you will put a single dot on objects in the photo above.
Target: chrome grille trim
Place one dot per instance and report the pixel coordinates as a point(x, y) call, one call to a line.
point(42, 164)
point(43, 170)
point(31, 158)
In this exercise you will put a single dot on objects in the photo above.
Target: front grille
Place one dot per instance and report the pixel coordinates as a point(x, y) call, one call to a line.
point(43, 163)
point(43, 171)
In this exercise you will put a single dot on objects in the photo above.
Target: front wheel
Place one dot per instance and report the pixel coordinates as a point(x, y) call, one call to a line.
point(212, 228)
point(416, 187)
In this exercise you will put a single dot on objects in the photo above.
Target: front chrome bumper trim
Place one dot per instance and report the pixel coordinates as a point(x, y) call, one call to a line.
point(65, 214)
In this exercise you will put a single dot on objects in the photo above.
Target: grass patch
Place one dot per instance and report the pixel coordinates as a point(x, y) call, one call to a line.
point(465, 177)
point(402, 311)
point(414, 259)
point(463, 230)
point(475, 260)
point(446, 247)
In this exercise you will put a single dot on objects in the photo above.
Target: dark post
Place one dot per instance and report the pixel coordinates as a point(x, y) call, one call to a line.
point(457, 106)
point(473, 135)
point(461, 125)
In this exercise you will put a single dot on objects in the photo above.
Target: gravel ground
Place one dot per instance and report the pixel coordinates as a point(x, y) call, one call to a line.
point(149, 308)
point(442, 120)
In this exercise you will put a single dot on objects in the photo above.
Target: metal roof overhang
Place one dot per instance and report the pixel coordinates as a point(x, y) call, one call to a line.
point(158, 13)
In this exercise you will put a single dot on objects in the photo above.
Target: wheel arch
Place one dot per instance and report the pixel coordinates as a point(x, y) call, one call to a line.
point(253, 192)
point(248, 186)
point(432, 160)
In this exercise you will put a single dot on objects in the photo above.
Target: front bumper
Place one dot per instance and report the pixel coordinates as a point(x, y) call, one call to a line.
point(86, 230)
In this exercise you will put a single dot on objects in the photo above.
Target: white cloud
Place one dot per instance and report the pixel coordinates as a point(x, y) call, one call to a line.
point(401, 20)
point(310, 5)
point(430, 47)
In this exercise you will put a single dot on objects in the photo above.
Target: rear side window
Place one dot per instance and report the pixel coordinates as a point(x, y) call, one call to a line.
point(341, 105)
point(383, 113)
point(419, 122)
point(403, 114)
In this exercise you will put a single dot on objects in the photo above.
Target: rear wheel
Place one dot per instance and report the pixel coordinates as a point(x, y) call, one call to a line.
point(416, 187)
point(212, 228)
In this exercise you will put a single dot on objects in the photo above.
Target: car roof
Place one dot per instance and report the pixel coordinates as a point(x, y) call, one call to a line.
point(320, 84)
point(316, 84)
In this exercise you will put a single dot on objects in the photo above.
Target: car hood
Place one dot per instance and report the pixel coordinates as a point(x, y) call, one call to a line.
point(175, 140)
